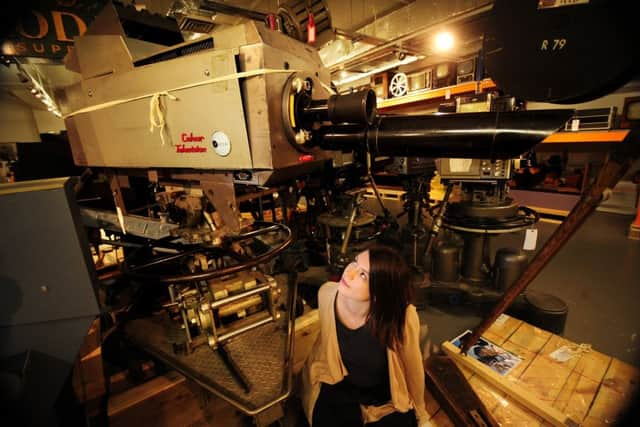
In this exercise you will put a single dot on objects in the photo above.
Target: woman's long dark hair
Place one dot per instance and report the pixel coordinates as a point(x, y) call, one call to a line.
point(390, 292)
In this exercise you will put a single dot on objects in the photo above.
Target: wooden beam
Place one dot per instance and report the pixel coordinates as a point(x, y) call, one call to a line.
point(518, 394)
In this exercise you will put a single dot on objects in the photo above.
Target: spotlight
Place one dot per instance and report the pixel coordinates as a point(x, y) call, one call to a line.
point(8, 48)
point(444, 41)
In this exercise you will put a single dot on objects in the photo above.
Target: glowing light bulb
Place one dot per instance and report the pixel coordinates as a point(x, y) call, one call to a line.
point(444, 41)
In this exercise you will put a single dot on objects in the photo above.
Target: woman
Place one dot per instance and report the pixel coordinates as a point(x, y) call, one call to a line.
point(366, 366)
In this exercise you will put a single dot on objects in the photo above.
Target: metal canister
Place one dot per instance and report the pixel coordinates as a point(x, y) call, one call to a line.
point(508, 266)
point(446, 262)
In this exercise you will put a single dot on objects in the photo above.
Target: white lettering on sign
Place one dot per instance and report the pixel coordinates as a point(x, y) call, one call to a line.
point(555, 44)
point(550, 4)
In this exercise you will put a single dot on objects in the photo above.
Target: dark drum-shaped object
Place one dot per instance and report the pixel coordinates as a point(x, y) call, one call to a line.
point(446, 263)
point(509, 265)
point(545, 311)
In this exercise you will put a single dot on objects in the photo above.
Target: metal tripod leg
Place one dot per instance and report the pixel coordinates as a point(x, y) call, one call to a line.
point(437, 221)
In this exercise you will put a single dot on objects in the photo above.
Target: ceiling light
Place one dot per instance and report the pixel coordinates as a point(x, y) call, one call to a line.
point(8, 48)
point(444, 41)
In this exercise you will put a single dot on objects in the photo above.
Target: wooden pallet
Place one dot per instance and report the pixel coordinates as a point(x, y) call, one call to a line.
point(592, 388)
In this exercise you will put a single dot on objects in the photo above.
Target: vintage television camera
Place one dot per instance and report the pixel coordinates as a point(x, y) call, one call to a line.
point(187, 129)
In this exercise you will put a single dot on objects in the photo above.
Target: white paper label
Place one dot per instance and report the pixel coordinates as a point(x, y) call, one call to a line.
point(562, 354)
point(575, 125)
point(530, 239)
point(447, 94)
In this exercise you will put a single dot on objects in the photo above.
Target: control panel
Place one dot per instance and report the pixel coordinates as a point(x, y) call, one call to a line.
point(473, 169)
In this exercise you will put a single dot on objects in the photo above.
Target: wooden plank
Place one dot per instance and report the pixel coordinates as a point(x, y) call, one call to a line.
point(494, 338)
point(530, 337)
point(466, 372)
point(503, 328)
point(440, 419)
point(503, 409)
point(593, 422)
point(546, 376)
point(143, 392)
point(576, 397)
point(121, 381)
point(515, 392)
point(169, 400)
point(568, 389)
point(515, 415)
point(621, 377)
point(608, 406)
point(593, 365)
point(580, 389)
point(527, 357)
point(616, 391)
point(489, 396)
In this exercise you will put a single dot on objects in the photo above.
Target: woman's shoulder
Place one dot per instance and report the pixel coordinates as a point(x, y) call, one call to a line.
point(327, 291)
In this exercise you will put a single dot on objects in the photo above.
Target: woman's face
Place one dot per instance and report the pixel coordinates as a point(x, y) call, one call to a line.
point(354, 282)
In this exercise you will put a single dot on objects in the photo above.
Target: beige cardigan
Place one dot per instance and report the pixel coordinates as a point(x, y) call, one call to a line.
point(406, 374)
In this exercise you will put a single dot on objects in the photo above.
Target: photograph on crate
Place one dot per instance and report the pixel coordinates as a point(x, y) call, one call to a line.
point(490, 354)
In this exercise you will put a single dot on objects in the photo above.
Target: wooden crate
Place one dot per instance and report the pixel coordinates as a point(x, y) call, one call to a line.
point(591, 388)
